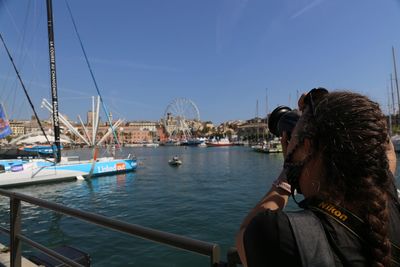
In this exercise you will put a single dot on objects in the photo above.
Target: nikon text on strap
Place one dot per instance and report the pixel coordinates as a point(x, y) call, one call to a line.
point(349, 221)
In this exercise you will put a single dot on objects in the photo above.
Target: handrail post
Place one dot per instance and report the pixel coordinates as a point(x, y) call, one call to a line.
point(233, 257)
point(215, 256)
point(15, 224)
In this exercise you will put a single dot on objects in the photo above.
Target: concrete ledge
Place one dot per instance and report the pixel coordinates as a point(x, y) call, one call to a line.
point(5, 259)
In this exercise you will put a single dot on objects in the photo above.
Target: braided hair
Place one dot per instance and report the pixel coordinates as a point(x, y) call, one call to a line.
point(350, 131)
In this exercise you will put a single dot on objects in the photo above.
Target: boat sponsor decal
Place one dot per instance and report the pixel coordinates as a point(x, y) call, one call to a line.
point(113, 168)
point(100, 167)
point(120, 166)
point(17, 168)
point(106, 168)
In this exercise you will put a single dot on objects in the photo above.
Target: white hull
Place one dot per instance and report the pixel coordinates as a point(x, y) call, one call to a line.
point(41, 171)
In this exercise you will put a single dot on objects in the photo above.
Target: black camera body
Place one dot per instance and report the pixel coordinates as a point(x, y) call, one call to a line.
point(283, 119)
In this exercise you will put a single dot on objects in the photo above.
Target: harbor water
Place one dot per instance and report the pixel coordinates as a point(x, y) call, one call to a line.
point(205, 198)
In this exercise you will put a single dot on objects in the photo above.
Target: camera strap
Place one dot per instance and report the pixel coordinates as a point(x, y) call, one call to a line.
point(349, 221)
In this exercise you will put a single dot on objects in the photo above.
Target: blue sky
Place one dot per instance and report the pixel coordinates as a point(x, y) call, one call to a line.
point(220, 54)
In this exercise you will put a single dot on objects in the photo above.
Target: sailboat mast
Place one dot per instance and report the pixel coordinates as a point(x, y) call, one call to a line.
point(395, 78)
point(391, 89)
point(258, 123)
point(390, 115)
point(265, 130)
point(53, 80)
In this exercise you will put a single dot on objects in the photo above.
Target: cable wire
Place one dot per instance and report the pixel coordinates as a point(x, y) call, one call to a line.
point(92, 75)
point(23, 87)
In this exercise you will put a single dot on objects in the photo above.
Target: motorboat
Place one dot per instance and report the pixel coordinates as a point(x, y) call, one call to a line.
point(271, 146)
point(175, 161)
point(221, 142)
point(171, 142)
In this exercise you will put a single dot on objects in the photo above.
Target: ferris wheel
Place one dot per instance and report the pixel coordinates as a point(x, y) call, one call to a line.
point(181, 117)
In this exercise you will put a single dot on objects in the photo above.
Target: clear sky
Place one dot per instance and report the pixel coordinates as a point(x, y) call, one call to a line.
point(221, 54)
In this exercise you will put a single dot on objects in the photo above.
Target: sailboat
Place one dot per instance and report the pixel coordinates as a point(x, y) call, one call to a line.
point(395, 138)
point(267, 145)
point(13, 152)
point(22, 172)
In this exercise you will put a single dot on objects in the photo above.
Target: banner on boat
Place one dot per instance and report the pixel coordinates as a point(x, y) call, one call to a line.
point(5, 129)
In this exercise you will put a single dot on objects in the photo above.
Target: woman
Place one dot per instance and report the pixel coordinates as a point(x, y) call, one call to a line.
point(341, 160)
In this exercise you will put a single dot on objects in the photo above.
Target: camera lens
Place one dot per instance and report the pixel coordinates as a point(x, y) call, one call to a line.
point(282, 119)
point(274, 118)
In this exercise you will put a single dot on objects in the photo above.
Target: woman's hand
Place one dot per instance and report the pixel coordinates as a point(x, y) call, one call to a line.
point(284, 143)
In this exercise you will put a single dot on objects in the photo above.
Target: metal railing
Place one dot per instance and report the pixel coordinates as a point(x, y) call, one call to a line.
point(16, 238)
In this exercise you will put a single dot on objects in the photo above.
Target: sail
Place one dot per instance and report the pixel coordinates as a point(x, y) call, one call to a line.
point(5, 129)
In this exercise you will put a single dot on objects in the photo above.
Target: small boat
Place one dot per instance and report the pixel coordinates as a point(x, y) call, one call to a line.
point(271, 146)
point(202, 144)
point(221, 142)
point(175, 161)
point(191, 142)
point(171, 142)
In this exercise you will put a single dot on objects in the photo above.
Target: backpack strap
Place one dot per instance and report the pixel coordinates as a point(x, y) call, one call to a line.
point(311, 240)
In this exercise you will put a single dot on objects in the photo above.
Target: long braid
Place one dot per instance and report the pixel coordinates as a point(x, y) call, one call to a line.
point(352, 133)
point(377, 217)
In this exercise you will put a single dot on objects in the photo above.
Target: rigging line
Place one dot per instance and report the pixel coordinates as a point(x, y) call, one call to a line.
point(17, 30)
point(75, 98)
point(5, 83)
point(23, 49)
point(23, 38)
point(13, 101)
point(114, 110)
point(23, 87)
point(91, 73)
point(10, 92)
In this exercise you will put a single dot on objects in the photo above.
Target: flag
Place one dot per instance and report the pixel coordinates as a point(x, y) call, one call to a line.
point(5, 129)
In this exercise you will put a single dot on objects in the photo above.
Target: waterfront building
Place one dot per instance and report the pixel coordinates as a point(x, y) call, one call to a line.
point(253, 130)
point(17, 128)
point(137, 132)
point(144, 125)
point(128, 133)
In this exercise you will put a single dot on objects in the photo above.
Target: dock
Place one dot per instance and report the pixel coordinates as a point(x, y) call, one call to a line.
point(5, 258)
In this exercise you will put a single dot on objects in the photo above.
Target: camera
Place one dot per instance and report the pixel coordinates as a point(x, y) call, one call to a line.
point(283, 119)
